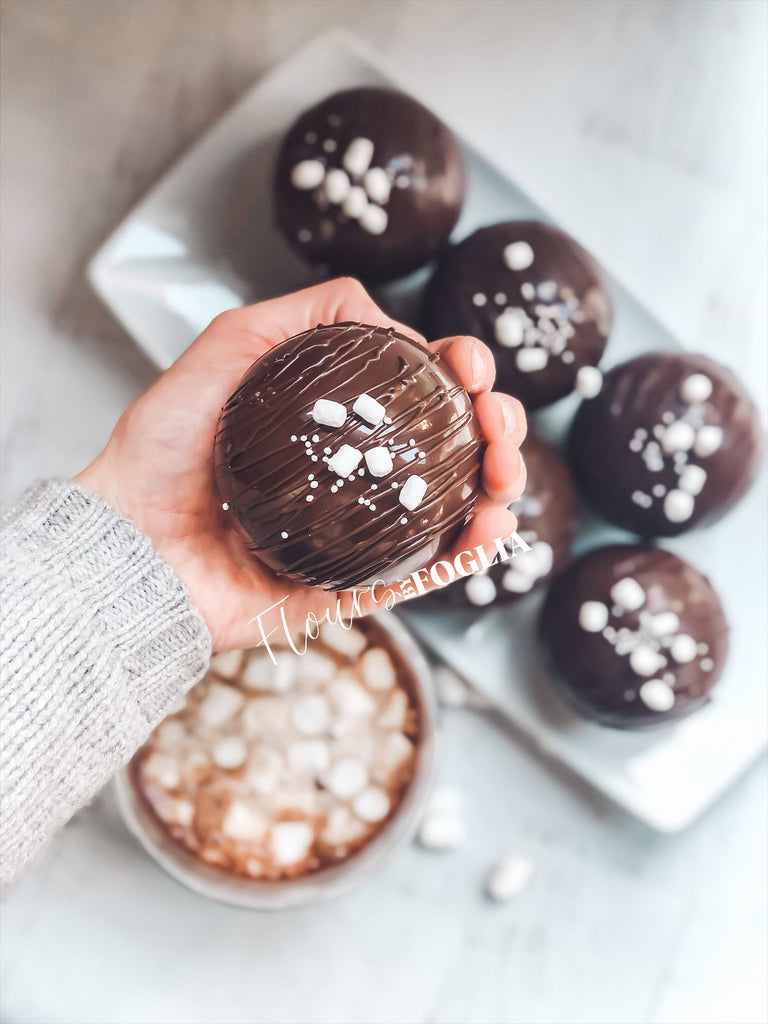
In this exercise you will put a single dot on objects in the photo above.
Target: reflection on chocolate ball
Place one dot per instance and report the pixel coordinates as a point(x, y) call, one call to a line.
point(347, 455)
point(670, 443)
point(548, 518)
point(634, 636)
point(536, 297)
point(370, 183)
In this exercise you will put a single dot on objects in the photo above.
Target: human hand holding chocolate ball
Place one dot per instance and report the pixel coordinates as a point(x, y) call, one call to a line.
point(158, 466)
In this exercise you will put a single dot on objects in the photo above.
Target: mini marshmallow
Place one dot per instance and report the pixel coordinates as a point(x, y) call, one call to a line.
point(243, 822)
point(347, 777)
point(628, 594)
point(395, 749)
point(372, 804)
point(536, 562)
point(336, 186)
point(445, 799)
point(644, 661)
point(308, 174)
point(593, 616)
point(518, 255)
point(311, 714)
point(227, 664)
point(219, 704)
point(378, 461)
point(708, 440)
point(657, 695)
point(314, 667)
point(696, 388)
point(678, 506)
point(345, 461)
point(589, 381)
point(516, 582)
point(374, 220)
point(265, 766)
point(229, 752)
point(265, 716)
point(442, 831)
point(683, 649)
point(261, 673)
point(529, 360)
point(377, 185)
point(480, 590)
point(508, 879)
point(369, 409)
point(412, 492)
point(356, 203)
point(451, 690)
point(311, 756)
point(678, 437)
point(342, 827)
point(358, 156)
point(162, 769)
point(378, 670)
point(350, 699)
point(692, 479)
point(291, 841)
point(509, 328)
point(347, 641)
point(395, 713)
point(328, 414)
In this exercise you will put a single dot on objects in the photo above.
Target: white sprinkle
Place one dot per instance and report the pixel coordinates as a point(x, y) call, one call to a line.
point(509, 328)
point(644, 660)
point(528, 291)
point(303, 437)
point(372, 804)
point(547, 291)
point(374, 220)
point(284, 535)
point(377, 185)
point(628, 594)
point(657, 695)
point(593, 616)
point(692, 479)
point(696, 388)
point(328, 414)
point(229, 752)
point(402, 181)
point(667, 417)
point(361, 500)
point(659, 490)
point(683, 649)
point(499, 298)
point(294, 438)
point(345, 461)
point(307, 175)
point(518, 255)
point(708, 440)
point(369, 409)
point(336, 186)
point(358, 156)
point(508, 879)
point(347, 777)
point(478, 299)
point(412, 492)
point(589, 381)
point(310, 497)
point(531, 359)
point(378, 461)
point(678, 506)
point(355, 203)
point(310, 138)
point(313, 484)
point(225, 506)
point(678, 437)
point(403, 520)
point(304, 235)
point(707, 664)
point(568, 356)
point(330, 146)
point(411, 442)
point(480, 590)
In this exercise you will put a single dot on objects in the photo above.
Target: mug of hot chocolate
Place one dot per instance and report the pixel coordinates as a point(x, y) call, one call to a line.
point(290, 774)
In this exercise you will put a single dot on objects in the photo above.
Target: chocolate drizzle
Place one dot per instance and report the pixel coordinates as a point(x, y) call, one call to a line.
point(272, 469)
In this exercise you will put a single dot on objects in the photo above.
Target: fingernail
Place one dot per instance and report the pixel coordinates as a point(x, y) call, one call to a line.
point(510, 420)
point(479, 367)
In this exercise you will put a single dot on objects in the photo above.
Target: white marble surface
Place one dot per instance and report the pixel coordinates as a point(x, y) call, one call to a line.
point(641, 126)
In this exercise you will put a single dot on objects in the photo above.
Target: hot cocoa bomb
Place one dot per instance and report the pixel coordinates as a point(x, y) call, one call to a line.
point(547, 520)
point(535, 297)
point(348, 454)
point(670, 443)
point(369, 182)
point(634, 636)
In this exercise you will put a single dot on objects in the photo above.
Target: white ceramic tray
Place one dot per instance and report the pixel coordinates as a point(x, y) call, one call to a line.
point(202, 241)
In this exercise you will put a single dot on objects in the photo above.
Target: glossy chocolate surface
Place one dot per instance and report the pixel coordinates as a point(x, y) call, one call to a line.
point(548, 519)
point(413, 199)
point(671, 443)
point(648, 664)
point(534, 295)
point(306, 522)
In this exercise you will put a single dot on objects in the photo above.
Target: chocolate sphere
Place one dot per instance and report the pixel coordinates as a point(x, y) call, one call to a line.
point(369, 182)
point(348, 454)
point(548, 519)
point(670, 443)
point(535, 297)
point(634, 636)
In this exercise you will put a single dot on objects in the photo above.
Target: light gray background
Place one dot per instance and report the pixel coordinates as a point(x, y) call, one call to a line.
point(641, 126)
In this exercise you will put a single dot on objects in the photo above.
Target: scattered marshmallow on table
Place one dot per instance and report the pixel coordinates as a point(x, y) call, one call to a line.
point(508, 879)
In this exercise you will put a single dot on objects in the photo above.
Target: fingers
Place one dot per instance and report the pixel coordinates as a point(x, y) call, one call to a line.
point(470, 360)
point(501, 416)
point(504, 474)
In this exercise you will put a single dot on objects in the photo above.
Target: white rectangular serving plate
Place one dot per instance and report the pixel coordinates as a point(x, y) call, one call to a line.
point(203, 241)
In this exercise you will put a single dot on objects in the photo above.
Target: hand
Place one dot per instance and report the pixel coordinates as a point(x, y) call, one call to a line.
point(157, 466)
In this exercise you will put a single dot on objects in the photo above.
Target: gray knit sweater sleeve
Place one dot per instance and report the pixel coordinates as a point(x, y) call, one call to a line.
point(99, 637)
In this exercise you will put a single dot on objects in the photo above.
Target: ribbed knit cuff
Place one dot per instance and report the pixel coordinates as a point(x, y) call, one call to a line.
point(99, 638)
